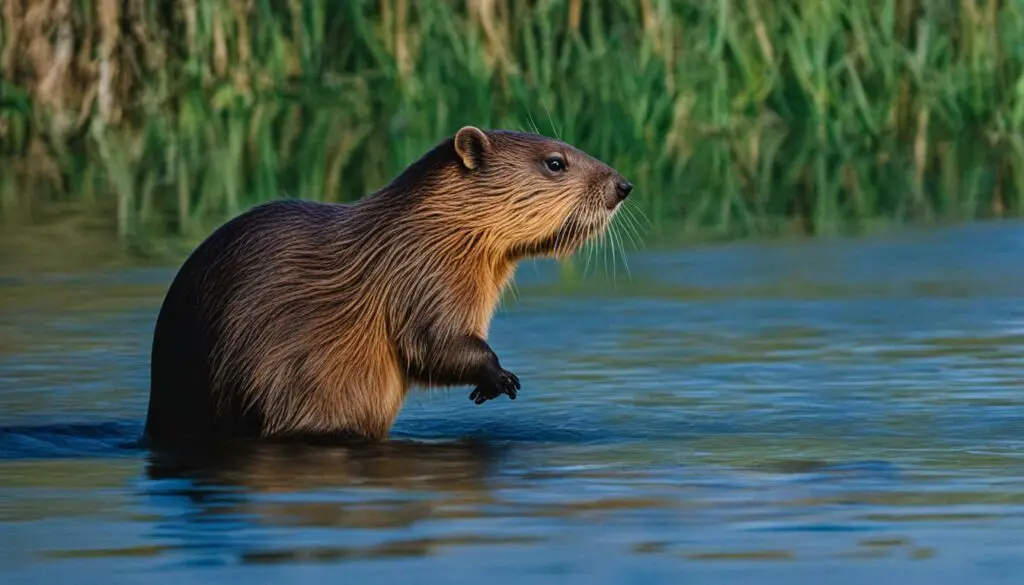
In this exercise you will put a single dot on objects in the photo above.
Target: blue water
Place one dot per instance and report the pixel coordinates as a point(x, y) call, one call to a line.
point(844, 411)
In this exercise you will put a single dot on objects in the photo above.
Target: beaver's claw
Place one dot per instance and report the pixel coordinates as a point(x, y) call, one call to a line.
point(504, 383)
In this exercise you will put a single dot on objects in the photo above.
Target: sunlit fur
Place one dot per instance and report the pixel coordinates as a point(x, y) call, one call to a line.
point(299, 317)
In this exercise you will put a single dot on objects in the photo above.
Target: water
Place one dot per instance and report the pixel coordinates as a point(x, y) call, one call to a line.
point(752, 413)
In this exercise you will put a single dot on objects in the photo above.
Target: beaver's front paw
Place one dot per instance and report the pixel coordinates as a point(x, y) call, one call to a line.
point(504, 382)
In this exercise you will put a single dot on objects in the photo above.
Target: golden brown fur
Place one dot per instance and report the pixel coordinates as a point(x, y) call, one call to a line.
point(310, 318)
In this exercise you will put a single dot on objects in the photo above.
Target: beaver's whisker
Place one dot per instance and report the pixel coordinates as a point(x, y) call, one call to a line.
point(632, 229)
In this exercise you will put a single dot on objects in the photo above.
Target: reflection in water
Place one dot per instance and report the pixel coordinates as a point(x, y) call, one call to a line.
point(845, 412)
point(392, 486)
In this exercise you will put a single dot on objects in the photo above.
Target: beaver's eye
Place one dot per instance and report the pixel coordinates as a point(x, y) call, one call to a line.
point(554, 164)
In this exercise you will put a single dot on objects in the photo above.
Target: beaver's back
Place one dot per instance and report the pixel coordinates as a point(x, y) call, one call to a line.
point(232, 305)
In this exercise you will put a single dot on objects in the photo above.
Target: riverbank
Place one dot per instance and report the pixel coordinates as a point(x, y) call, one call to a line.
point(734, 119)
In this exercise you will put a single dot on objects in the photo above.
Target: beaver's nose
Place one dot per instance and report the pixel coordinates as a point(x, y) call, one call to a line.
point(623, 188)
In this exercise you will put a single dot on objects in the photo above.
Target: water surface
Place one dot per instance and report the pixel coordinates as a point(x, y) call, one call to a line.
point(844, 410)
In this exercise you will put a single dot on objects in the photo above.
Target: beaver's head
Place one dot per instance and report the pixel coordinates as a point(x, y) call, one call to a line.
point(528, 195)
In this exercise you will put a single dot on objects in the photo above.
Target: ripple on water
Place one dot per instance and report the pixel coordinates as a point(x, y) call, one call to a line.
point(847, 411)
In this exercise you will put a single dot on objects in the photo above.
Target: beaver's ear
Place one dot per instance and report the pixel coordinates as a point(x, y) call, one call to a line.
point(472, 145)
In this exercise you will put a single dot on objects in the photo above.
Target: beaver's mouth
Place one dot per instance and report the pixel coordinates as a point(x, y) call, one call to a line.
point(574, 232)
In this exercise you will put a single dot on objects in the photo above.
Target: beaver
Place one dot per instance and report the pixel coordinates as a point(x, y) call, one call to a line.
point(299, 318)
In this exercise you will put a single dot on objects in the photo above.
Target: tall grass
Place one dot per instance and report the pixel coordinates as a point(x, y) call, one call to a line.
point(738, 116)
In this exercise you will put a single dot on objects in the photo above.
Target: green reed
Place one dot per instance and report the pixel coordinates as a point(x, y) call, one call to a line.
point(735, 116)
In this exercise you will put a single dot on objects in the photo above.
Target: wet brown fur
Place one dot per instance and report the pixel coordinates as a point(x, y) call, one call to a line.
point(308, 318)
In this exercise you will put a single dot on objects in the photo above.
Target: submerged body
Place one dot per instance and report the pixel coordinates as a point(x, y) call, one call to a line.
point(302, 318)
